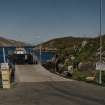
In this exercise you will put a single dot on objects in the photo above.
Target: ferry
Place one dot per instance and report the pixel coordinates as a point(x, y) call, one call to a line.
point(21, 56)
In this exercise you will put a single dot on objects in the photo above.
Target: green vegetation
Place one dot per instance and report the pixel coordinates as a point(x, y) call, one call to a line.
point(82, 49)
point(78, 75)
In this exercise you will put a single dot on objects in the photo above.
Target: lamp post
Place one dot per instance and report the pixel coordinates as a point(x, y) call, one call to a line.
point(40, 53)
point(40, 49)
point(100, 73)
point(4, 55)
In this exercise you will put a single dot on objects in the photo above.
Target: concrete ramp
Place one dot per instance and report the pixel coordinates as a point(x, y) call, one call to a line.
point(35, 73)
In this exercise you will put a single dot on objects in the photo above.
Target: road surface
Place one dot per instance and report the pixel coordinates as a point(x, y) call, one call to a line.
point(36, 73)
point(46, 90)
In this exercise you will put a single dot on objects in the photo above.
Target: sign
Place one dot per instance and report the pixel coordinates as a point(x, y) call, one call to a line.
point(100, 66)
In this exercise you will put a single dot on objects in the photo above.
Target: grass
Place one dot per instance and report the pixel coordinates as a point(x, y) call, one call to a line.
point(81, 76)
point(77, 75)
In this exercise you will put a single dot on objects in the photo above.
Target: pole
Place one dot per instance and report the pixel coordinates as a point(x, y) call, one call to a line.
point(4, 55)
point(40, 54)
point(100, 73)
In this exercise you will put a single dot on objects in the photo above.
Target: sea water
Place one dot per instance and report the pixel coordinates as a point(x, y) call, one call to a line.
point(44, 55)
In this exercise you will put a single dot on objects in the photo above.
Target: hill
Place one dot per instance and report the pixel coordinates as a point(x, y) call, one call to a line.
point(66, 42)
point(83, 49)
point(8, 42)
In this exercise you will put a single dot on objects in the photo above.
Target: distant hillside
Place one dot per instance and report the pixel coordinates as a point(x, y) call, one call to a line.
point(68, 42)
point(83, 49)
point(8, 42)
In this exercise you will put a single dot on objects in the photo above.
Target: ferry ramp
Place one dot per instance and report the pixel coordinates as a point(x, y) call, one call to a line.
point(36, 73)
point(37, 86)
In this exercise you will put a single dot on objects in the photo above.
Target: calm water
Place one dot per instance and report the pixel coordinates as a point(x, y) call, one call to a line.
point(45, 56)
point(7, 52)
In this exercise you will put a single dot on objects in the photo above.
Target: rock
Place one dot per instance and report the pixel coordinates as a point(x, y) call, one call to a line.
point(90, 79)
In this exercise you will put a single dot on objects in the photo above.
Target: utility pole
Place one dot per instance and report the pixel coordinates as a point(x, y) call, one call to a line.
point(40, 53)
point(4, 55)
point(100, 73)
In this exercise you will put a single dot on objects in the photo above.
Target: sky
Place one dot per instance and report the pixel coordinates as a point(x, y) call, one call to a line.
point(36, 21)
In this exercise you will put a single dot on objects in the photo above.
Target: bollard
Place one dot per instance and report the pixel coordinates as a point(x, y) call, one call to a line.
point(5, 75)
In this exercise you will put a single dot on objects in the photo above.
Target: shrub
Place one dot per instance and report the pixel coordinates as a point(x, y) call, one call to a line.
point(79, 75)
